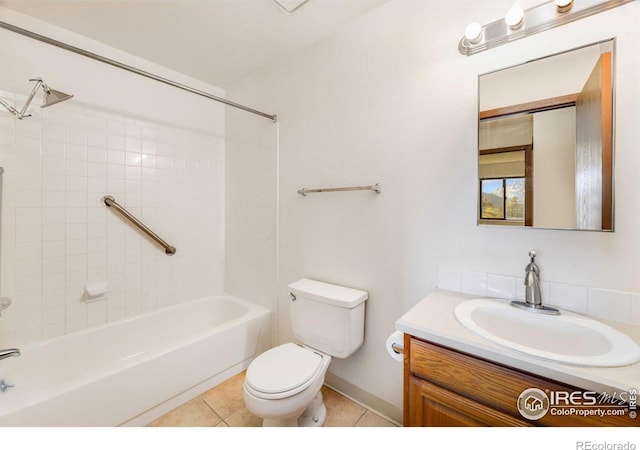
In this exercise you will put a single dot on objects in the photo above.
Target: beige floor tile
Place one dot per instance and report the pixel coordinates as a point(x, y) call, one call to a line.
point(223, 406)
point(194, 413)
point(341, 412)
point(226, 398)
point(243, 418)
point(370, 419)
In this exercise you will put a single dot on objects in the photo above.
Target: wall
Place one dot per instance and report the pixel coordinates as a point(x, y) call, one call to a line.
point(389, 99)
point(157, 150)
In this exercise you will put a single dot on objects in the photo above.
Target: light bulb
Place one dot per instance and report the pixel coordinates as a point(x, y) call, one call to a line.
point(473, 32)
point(514, 17)
point(563, 5)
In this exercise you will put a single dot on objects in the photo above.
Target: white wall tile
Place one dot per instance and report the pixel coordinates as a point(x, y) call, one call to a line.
point(75, 152)
point(53, 149)
point(28, 216)
point(27, 163)
point(53, 182)
point(53, 166)
point(54, 231)
point(27, 146)
point(97, 154)
point(571, 298)
point(474, 283)
point(97, 139)
point(75, 168)
point(54, 265)
point(97, 313)
point(52, 330)
point(609, 305)
point(449, 279)
point(115, 309)
point(54, 298)
point(53, 133)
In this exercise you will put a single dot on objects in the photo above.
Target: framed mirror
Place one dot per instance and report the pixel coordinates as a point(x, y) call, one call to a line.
point(545, 142)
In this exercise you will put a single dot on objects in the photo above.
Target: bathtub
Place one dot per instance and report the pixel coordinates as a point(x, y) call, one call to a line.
point(132, 371)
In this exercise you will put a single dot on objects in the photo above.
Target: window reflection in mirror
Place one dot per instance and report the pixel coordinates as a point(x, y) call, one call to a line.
point(545, 152)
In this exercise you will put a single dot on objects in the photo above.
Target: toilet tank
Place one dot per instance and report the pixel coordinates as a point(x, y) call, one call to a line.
point(327, 317)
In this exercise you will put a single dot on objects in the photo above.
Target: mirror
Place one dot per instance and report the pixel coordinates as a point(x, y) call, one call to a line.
point(545, 142)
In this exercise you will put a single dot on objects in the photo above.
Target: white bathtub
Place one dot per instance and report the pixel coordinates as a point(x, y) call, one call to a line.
point(134, 370)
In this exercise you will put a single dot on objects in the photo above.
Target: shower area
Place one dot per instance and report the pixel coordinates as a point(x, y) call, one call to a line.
point(80, 282)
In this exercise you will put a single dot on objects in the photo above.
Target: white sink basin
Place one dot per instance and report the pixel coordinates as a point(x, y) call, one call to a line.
point(568, 338)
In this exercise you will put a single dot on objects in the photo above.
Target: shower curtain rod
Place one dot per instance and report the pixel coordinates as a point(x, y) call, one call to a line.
point(79, 51)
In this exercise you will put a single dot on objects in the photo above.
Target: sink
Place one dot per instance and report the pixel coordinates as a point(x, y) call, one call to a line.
point(568, 338)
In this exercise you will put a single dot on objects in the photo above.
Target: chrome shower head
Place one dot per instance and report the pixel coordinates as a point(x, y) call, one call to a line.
point(51, 98)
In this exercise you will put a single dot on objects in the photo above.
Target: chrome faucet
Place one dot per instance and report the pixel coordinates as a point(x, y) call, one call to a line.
point(8, 353)
point(532, 292)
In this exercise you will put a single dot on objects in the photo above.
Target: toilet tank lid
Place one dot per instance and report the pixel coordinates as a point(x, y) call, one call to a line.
point(332, 294)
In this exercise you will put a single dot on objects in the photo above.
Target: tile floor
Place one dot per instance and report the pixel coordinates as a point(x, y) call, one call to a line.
point(223, 406)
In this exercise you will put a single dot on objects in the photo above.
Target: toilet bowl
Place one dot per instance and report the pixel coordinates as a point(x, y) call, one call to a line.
point(282, 385)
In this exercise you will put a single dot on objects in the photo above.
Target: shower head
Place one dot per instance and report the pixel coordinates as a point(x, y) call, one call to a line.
point(51, 98)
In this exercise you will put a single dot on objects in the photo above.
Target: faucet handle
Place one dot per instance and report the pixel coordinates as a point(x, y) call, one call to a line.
point(532, 266)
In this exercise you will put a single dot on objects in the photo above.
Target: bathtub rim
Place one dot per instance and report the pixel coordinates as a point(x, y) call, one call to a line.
point(253, 310)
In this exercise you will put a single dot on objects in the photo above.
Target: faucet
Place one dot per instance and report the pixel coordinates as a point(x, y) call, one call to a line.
point(532, 292)
point(8, 353)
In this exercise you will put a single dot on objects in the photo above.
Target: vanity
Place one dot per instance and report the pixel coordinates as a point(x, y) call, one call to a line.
point(455, 377)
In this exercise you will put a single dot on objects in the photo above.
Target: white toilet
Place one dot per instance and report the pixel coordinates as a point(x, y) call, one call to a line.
point(282, 385)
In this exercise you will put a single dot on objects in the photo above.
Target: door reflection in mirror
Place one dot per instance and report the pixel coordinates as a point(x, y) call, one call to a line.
point(545, 143)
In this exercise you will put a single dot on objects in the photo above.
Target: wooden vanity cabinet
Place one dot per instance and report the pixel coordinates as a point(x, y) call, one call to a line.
point(443, 387)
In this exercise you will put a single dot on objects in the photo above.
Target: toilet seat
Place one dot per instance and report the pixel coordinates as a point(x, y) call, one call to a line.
point(283, 371)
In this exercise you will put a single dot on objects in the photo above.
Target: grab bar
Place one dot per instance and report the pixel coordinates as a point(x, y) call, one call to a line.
point(110, 201)
point(376, 187)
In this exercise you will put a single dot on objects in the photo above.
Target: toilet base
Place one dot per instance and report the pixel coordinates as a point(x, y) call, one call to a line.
point(314, 416)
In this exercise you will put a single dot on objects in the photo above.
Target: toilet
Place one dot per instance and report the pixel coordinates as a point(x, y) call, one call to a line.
point(282, 385)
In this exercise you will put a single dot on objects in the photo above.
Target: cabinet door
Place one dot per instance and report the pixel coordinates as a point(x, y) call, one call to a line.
point(433, 406)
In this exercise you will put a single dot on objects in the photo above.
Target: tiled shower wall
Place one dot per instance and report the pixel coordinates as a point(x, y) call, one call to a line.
point(57, 235)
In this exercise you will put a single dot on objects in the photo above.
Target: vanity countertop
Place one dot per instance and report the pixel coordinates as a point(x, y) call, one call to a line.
point(433, 319)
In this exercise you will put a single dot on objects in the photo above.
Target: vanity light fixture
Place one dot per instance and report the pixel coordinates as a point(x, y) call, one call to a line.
point(562, 6)
point(473, 32)
point(519, 23)
point(514, 18)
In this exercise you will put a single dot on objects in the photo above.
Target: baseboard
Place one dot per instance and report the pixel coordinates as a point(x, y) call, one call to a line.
point(381, 407)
